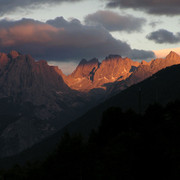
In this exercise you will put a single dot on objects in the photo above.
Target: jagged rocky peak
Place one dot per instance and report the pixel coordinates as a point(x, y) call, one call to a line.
point(13, 54)
point(3, 54)
point(171, 59)
point(85, 68)
point(25, 74)
point(93, 61)
point(172, 55)
point(90, 62)
point(83, 62)
point(113, 67)
point(143, 62)
point(117, 60)
point(3, 59)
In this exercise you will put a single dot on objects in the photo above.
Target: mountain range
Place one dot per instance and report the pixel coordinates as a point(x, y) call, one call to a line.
point(37, 100)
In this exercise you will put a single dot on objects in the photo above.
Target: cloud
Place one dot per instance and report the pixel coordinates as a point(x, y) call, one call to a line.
point(158, 7)
point(154, 24)
point(61, 40)
point(141, 54)
point(7, 6)
point(163, 36)
point(115, 22)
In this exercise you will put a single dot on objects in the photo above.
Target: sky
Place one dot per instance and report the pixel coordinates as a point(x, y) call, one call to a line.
point(65, 31)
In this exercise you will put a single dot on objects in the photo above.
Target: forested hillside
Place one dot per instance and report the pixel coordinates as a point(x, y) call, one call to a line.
point(125, 146)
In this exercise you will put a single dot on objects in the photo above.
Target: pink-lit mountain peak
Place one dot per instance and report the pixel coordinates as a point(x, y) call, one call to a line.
point(3, 59)
point(13, 54)
point(173, 55)
point(85, 68)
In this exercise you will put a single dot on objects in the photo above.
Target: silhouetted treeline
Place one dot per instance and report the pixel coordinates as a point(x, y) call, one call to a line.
point(126, 146)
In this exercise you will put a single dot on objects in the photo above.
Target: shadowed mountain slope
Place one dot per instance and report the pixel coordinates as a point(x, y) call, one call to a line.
point(40, 102)
point(162, 87)
point(45, 103)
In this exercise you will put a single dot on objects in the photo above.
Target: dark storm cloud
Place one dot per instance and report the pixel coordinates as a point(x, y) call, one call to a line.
point(163, 36)
point(115, 22)
point(158, 7)
point(61, 40)
point(7, 6)
point(141, 54)
point(60, 22)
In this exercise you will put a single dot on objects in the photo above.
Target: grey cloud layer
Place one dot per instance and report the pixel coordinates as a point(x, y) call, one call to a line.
point(61, 40)
point(159, 7)
point(163, 36)
point(11, 5)
point(115, 22)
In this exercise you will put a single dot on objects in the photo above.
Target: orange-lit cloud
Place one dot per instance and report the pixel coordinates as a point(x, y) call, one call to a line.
point(27, 33)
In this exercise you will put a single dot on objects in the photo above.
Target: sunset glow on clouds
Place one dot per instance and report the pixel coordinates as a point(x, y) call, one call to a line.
point(25, 31)
point(61, 39)
point(50, 29)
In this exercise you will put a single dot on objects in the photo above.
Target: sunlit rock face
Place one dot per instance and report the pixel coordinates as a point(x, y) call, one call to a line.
point(171, 59)
point(83, 76)
point(86, 68)
point(92, 74)
point(114, 68)
point(147, 69)
point(116, 73)
point(4, 59)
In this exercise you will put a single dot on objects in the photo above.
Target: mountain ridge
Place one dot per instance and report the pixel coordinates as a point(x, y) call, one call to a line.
point(163, 87)
point(53, 103)
point(115, 69)
point(34, 85)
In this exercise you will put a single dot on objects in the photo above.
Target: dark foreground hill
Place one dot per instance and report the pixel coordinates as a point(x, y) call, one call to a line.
point(125, 146)
point(163, 87)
